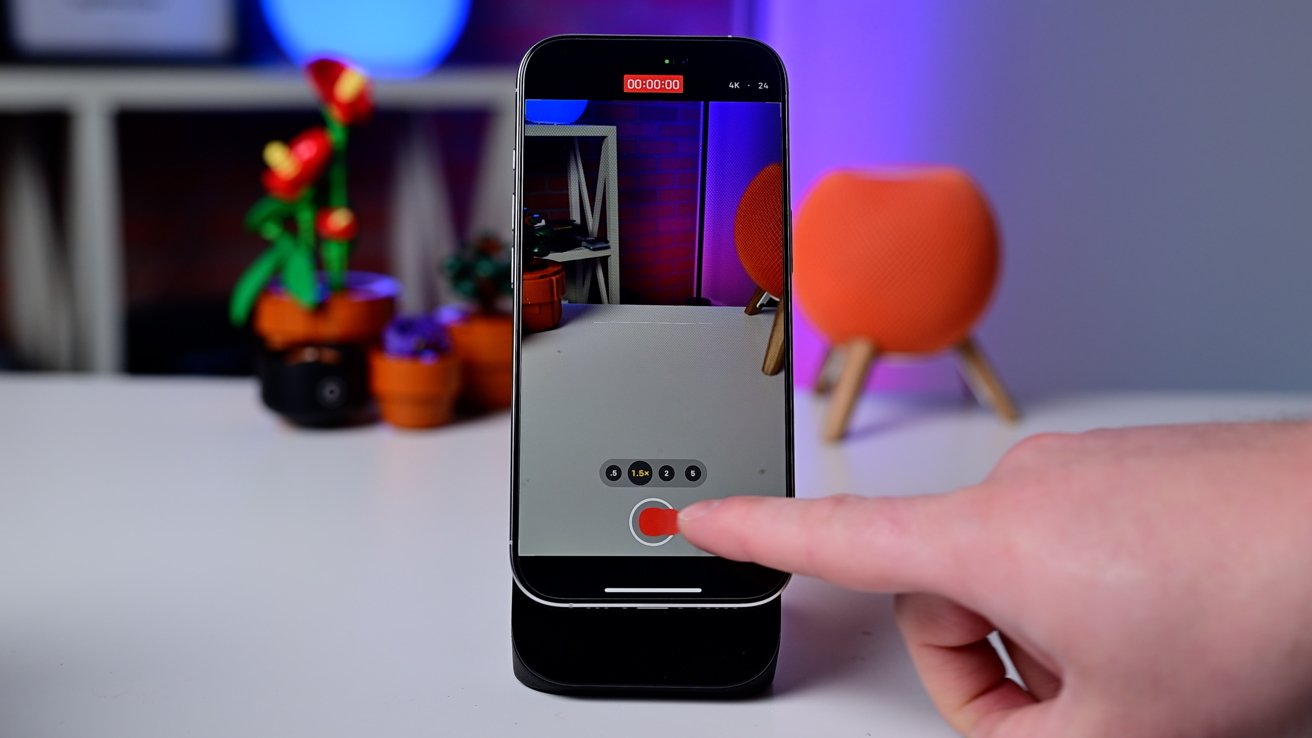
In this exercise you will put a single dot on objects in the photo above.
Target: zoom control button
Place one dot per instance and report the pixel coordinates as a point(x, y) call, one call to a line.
point(639, 473)
point(652, 472)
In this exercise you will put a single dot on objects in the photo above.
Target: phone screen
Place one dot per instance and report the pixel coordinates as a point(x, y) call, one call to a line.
point(651, 200)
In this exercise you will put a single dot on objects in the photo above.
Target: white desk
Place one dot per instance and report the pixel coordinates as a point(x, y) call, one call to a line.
point(175, 562)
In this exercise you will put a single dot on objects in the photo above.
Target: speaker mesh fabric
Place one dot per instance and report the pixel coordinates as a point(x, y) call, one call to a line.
point(906, 258)
point(758, 230)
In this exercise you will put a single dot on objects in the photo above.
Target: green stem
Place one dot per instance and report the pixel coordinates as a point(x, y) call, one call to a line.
point(337, 174)
point(337, 198)
point(305, 221)
point(337, 193)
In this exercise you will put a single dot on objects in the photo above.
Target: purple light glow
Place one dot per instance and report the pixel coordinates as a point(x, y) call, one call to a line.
point(741, 139)
point(858, 75)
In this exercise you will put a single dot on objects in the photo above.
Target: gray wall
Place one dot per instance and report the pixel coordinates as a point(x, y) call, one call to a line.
point(1150, 163)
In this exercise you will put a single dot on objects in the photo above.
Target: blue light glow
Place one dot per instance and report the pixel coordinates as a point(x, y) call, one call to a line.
point(554, 111)
point(386, 38)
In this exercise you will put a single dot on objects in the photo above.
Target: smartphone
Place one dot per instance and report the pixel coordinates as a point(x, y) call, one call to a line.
point(652, 370)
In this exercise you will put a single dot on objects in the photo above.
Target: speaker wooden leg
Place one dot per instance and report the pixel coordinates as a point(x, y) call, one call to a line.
point(859, 356)
point(754, 304)
point(984, 381)
point(824, 376)
point(776, 347)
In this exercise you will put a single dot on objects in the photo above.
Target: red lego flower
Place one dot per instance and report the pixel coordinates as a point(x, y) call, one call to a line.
point(293, 167)
point(343, 88)
point(338, 224)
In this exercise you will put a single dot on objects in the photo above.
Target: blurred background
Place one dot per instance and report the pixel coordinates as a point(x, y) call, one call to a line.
point(1148, 163)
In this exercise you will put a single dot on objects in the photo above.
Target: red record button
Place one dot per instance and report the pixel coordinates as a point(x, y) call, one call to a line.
point(658, 521)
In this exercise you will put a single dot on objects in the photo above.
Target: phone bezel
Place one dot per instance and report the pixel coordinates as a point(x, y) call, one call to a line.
point(719, 59)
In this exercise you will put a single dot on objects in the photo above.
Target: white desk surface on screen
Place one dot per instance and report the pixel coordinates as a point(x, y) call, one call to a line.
point(176, 562)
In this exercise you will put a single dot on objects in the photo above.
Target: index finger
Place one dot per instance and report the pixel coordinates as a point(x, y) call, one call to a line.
point(880, 544)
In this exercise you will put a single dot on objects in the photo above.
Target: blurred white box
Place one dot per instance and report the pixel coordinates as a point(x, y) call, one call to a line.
point(195, 28)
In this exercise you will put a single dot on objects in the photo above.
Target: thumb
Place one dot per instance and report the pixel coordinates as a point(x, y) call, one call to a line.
point(879, 544)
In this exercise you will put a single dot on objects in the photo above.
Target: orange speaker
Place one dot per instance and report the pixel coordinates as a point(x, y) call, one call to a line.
point(758, 235)
point(758, 230)
point(896, 261)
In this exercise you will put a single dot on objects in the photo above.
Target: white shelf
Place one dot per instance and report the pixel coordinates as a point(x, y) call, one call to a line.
point(93, 98)
point(44, 89)
point(586, 207)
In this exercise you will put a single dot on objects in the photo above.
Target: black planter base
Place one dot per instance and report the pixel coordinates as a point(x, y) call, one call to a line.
point(317, 386)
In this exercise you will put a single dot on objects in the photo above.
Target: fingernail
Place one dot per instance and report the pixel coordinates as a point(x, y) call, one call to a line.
point(698, 509)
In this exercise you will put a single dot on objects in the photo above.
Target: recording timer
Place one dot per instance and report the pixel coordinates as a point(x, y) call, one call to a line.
point(658, 83)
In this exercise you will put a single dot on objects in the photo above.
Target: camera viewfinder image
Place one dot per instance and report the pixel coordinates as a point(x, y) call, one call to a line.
point(660, 225)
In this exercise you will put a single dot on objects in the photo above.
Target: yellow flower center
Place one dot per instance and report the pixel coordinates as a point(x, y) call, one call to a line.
point(280, 159)
point(349, 85)
point(340, 219)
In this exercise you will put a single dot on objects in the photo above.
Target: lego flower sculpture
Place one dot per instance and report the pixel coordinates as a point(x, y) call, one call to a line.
point(306, 217)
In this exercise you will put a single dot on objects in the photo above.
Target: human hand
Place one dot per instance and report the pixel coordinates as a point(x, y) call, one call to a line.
point(1146, 582)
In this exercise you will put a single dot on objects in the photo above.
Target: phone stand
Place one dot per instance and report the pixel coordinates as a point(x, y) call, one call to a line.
point(676, 652)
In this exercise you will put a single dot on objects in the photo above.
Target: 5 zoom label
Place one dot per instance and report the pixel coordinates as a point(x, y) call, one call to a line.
point(653, 473)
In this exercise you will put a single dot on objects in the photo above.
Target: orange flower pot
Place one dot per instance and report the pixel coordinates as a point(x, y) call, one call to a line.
point(484, 345)
point(314, 368)
point(414, 392)
point(356, 314)
point(541, 291)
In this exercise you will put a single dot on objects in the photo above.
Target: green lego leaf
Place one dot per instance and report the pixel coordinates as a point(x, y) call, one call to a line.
point(266, 212)
point(256, 277)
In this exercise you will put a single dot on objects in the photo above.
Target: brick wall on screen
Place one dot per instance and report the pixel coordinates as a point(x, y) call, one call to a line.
point(546, 190)
point(658, 163)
